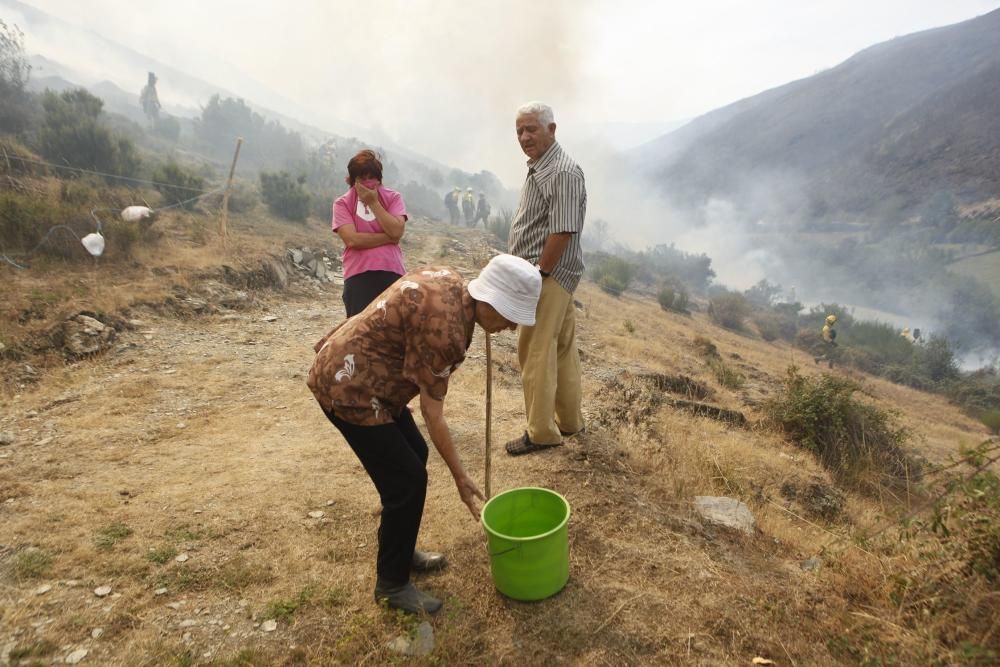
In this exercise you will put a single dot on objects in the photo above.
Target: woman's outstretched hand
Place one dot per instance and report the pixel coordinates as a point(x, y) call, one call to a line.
point(469, 492)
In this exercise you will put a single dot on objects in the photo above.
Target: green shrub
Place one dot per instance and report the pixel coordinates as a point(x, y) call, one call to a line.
point(729, 310)
point(860, 443)
point(285, 197)
point(32, 564)
point(724, 374)
point(499, 225)
point(705, 347)
point(177, 184)
point(991, 419)
point(673, 297)
point(629, 326)
point(613, 275)
point(111, 535)
point(768, 324)
point(74, 133)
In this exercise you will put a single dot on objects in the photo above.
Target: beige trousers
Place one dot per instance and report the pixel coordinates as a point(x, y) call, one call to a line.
point(550, 367)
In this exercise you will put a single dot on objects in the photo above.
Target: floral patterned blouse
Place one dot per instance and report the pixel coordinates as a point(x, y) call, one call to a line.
point(412, 337)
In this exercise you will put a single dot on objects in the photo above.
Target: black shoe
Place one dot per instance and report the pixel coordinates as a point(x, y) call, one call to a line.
point(406, 598)
point(428, 561)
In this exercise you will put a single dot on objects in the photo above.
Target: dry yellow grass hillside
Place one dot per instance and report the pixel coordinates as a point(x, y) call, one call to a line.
point(161, 503)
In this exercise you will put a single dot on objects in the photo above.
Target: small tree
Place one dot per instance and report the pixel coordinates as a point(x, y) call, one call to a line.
point(730, 310)
point(177, 184)
point(74, 134)
point(15, 101)
point(613, 275)
point(285, 196)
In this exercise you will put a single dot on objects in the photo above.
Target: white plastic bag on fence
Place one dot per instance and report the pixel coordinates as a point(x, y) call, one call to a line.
point(94, 243)
point(136, 213)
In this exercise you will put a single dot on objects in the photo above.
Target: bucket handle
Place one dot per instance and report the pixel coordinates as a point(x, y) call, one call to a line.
point(505, 551)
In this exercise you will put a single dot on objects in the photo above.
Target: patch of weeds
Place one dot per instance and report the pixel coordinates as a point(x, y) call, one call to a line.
point(183, 533)
point(38, 649)
point(629, 326)
point(334, 597)
point(32, 564)
point(705, 347)
point(248, 657)
point(111, 535)
point(238, 574)
point(161, 556)
point(725, 375)
point(282, 610)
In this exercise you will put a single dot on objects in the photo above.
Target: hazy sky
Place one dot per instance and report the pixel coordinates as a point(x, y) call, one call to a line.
point(443, 77)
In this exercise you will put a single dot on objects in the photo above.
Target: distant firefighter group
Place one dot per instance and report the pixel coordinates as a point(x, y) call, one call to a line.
point(461, 204)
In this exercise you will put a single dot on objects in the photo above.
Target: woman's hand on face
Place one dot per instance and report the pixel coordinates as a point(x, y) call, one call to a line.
point(366, 195)
point(469, 493)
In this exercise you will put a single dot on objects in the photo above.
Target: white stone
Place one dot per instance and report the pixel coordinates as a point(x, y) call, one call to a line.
point(188, 623)
point(727, 512)
point(182, 558)
point(96, 633)
point(421, 644)
point(160, 591)
point(102, 591)
point(76, 656)
point(269, 625)
point(43, 589)
point(318, 514)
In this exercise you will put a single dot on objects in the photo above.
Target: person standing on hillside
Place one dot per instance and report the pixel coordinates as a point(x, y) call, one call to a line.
point(469, 207)
point(451, 202)
point(370, 219)
point(409, 343)
point(546, 232)
point(482, 210)
point(829, 341)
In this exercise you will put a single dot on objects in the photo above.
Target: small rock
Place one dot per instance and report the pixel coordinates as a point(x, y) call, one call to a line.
point(318, 514)
point(269, 318)
point(810, 564)
point(187, 636)
point(44, 441)
point(269, 625)
point(43, 589)
point(102, 591)
point(72, 583)
point(6, 438)
point(160, 591)
point(182, 558)
point(329, 503)
point(174, 605)
point(421, 644)
point(96, 633)
point(76, 656)
point(181, 425)
point(188, 623)
point(727, 512)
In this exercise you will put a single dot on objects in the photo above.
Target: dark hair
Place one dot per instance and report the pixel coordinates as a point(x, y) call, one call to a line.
point(364, 165)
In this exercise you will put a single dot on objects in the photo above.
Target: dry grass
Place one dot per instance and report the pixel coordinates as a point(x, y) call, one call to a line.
point(203, 440)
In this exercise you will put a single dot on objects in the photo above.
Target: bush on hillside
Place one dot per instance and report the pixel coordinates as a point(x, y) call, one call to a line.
point(729, 309)
point(613, 275)
point(167, 127)
point(285, 196)
point(177, 184)
point(74, 133)
point(860, 443)
point(499, 225)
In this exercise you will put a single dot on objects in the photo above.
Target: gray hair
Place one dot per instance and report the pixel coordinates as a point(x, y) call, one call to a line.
point(540, 109)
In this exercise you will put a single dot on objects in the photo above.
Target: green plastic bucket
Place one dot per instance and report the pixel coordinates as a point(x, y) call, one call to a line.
point(528, 542)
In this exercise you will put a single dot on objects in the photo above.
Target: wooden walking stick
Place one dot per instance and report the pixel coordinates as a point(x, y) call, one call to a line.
point(489, 411)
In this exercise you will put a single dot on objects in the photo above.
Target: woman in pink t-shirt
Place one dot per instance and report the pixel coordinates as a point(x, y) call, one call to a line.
point(370, 219)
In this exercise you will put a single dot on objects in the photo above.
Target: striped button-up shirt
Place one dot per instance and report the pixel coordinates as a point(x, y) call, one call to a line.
point(553, 200)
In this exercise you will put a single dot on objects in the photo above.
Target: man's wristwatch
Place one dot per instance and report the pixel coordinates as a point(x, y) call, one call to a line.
point(545, 274)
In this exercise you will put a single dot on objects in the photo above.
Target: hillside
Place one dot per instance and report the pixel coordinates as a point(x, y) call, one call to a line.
point(194, 435)
point(876, 136)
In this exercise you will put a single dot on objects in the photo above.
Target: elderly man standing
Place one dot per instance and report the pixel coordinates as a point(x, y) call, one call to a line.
point(546, 231)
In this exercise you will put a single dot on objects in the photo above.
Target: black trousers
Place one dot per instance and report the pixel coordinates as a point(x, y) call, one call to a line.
point(361, 289)
point(395, 458)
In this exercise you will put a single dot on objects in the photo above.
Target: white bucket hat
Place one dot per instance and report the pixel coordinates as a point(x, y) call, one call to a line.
point(512, 286)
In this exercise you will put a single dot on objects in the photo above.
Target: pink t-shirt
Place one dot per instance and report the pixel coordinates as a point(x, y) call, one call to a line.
point(348, 209)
